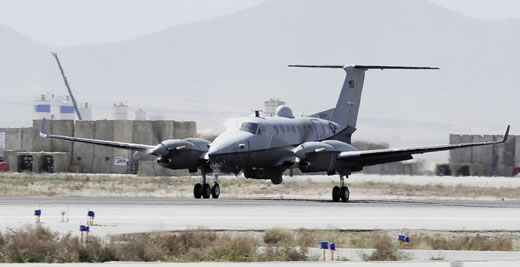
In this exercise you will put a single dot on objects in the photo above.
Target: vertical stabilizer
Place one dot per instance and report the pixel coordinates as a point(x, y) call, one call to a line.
point(347, 107)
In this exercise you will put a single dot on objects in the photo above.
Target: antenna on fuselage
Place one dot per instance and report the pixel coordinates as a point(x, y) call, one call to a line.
point(257, 112)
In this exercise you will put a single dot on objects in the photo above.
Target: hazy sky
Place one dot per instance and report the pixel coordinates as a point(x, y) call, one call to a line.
point(74, 22)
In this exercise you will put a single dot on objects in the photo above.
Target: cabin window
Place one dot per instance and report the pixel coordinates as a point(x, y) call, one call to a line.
point(287, 129)
point(261, 130)
point(293, 129)
point(249, 127)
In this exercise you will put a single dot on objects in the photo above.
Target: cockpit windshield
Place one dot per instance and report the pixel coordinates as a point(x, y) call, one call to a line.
point(249, 127)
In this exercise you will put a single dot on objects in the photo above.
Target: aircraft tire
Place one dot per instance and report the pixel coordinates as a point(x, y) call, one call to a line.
point(206, 191)
point(344, 194)
point(336, 194)
point(215, 191)
point(197, 191)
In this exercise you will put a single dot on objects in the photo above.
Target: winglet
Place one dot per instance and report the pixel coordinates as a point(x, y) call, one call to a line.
point(506, 135)
point(43, 129)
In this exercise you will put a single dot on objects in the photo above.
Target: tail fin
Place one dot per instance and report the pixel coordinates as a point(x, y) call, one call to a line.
point(346, 111)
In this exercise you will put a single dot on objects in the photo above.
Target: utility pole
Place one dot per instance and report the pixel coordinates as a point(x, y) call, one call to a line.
point(55, 54)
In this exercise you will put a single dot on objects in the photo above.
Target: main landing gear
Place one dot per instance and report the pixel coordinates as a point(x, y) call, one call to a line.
point(340, 192)
point(204, 190)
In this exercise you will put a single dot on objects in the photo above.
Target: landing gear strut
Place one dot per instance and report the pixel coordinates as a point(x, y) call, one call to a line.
point(204, 190)
point(215, 189)
point(340, 192)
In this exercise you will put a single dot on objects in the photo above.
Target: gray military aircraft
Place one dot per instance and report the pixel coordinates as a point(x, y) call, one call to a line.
point(265, 147)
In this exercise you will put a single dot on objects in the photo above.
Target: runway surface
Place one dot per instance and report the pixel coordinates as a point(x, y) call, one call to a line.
point(131, 215)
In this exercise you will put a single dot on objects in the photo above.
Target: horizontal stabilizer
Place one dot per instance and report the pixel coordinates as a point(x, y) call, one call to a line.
point(366, 67)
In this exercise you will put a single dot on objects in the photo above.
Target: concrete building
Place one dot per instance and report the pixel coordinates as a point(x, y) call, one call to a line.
point(65, 107)
point(86, 111)
point(271, 105)
point(42, 107)
point(140, 115)
point(54, 107)
point(120, 111)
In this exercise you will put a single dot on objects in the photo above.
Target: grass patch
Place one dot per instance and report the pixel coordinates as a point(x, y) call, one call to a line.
point(385, 250)
point(40, 244)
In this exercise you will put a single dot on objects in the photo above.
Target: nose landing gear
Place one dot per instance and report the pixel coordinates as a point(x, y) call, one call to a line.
point(340, 192)
point(204, 190)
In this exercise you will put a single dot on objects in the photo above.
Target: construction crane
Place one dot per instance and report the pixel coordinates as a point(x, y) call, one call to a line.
point(55, 54)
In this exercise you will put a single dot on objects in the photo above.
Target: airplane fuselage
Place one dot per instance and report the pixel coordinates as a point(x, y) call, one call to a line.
point(258, 142)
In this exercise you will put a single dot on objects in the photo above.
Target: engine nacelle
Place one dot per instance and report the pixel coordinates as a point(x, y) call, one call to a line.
point(182, 153)
point(321, 156)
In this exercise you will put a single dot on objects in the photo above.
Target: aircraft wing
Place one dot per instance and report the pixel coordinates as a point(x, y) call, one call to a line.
point(380, 156)
point(123, 145)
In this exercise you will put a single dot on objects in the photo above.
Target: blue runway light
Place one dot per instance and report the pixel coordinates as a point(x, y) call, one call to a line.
point(37, 212)
point(87, 228)
point(407, 239)
point(82, 228)
point(91, 213)
point(324, 245)
point(332, 246)
point(400, 238)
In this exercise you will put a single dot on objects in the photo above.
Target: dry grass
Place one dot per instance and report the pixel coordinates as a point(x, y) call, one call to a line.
point(27, 184)
point(39, 244)
point(500, 242)
point(420, 239)
point(385, 250)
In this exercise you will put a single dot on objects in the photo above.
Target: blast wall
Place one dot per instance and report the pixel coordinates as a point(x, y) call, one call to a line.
point(123, 132)
point(103, 156)
point(492, 160)
point(90, 158)
point(83, 154)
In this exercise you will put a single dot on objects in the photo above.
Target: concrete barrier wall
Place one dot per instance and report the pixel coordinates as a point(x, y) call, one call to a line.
point(13, 139)
point(20, 139)
point(484, 155)
point(151, 168)
point(162, 130)
point(11, 157)
point(505, 157)
point(61, 127)
point(396, 168)
point(123, 132)
point(103, 156)
point(463, 155)
point(184, 129)
point(517, 151)
point(27, 139)
point(40, 143)
point(83, 154)
point(56, 127)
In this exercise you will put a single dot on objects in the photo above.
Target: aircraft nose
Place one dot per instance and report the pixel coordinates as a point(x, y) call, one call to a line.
point(223, 149)
point(218, 151)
